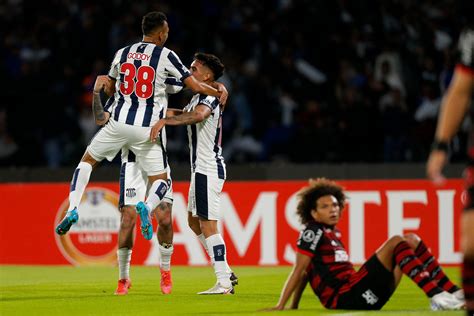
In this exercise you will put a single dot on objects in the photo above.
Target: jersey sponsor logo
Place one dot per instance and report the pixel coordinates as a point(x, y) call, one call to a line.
point(93, 239)
point(316, 239)
point(370, 297)
point(138, 56)
point(341, 256)
point(130, 192)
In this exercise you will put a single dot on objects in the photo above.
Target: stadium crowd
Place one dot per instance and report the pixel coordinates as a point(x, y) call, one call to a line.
point(309, 80)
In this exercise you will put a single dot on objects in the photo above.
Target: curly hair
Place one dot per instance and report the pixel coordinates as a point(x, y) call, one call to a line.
point(309, 195)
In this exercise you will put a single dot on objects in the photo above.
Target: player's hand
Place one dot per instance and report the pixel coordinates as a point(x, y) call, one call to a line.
point(109, 87)
point(155, 130)
point(435, 165)
point(100, 83)
point(103, 82)
point(274, 308)
point(224, 94)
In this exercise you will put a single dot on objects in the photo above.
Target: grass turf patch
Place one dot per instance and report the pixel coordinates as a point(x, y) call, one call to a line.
point(65, 290)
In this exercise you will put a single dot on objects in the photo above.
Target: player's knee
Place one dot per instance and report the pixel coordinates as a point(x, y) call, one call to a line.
point(395, 240)
point(412, 239)
point(88, 159)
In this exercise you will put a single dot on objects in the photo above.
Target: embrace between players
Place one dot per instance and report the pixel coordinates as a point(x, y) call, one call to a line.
point(140, 78)
point(139, 81)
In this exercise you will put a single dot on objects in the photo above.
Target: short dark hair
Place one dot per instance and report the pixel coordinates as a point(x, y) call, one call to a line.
point(308, 197)
point(212, 62)
point(151, 21)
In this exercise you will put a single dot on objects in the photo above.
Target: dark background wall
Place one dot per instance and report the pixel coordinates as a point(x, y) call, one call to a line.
point(240, 172)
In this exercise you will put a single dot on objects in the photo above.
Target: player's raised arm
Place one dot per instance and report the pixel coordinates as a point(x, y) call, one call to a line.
point(221, 88)
point(199, 114)
point(203, 88)
point(453, 110)
point(101, 83)
point(173, 112)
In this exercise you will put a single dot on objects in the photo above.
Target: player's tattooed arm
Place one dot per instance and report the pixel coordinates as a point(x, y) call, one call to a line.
point(172, 112)
point(199, 114)
point(101, 117)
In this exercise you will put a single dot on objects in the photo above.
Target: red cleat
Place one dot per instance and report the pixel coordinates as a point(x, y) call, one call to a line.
point(166, 283)
point(123, 286)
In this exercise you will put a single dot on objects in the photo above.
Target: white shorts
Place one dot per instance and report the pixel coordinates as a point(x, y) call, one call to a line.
point(204, 197)
point(134, 182)
point(114, 136)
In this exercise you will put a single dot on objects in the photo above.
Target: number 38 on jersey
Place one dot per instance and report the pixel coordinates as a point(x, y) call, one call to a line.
point(137, 80)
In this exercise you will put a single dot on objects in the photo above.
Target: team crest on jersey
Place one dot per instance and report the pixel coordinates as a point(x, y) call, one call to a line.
point(308, 235)
point(93, 239)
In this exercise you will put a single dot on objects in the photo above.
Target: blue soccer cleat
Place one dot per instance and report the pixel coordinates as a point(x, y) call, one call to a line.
point(71, 217)
point(146, 226)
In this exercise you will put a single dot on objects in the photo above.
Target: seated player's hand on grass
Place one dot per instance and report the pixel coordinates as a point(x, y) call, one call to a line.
point(155, 130)
point(274, 308)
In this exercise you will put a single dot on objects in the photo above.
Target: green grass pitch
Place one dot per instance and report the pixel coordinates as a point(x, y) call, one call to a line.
point(62, 290)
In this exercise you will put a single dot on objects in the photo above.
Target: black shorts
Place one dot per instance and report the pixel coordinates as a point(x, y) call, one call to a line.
point(373, 289)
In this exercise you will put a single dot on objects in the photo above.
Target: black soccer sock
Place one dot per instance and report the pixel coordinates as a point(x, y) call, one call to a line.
point(413, 267)
point(432, 266)
point(468, 283)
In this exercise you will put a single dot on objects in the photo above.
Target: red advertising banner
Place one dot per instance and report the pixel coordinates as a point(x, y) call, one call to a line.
point(258, 222)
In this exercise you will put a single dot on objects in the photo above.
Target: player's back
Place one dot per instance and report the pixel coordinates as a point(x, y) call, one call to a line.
point(140, 71)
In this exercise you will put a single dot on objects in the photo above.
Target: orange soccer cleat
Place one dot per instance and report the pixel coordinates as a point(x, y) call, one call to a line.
point(166, 283)
point(123, 286)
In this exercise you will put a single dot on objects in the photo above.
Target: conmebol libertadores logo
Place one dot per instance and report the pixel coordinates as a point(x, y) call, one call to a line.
point(93, 239)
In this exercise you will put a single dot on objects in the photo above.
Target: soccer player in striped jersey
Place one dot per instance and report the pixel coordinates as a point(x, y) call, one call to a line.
point(456, 102)
point(133, 185)
point(138, 72)
point(203, 115)
point(323, 262)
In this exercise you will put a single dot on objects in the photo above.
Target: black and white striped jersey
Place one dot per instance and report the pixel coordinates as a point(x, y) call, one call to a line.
point(466, 49)
point(205, 138)
point(141, 71)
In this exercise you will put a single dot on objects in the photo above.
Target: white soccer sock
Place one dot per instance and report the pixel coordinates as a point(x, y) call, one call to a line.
point(216, 247)
point(124, 255)
point(156, 193)
point(202, 239)
point(165, 262)
point(79, 183)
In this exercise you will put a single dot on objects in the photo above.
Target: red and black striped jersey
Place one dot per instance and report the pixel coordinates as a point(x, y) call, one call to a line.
point(330, 266)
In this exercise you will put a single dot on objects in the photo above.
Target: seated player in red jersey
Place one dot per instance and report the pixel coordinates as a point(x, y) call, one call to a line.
point(323, 262)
